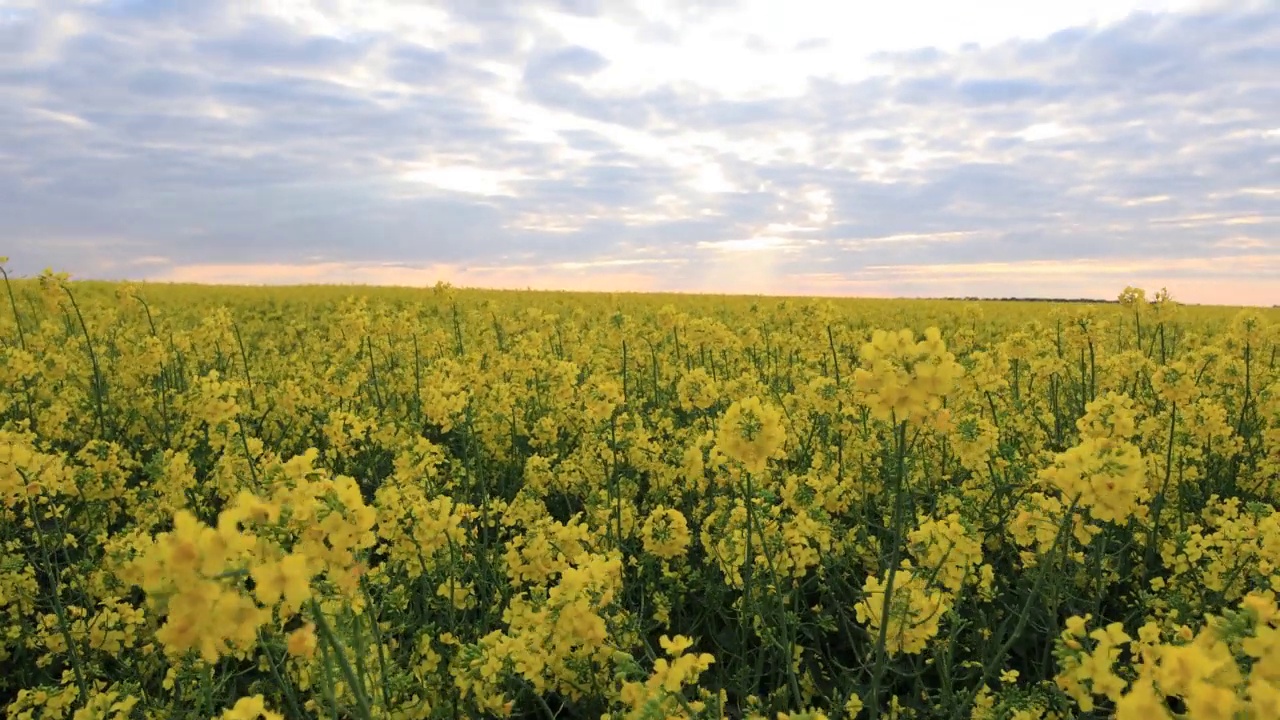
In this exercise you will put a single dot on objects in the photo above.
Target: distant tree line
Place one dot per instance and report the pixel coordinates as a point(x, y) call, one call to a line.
point(1048, 300)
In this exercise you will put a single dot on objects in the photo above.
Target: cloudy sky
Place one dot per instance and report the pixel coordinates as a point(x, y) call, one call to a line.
point(912, 147)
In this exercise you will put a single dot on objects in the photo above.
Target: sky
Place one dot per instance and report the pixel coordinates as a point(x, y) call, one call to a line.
point(906, 148)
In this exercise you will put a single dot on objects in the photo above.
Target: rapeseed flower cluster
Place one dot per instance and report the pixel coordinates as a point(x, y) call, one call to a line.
point(905, 379)
point(376, 503)
point(751, 433)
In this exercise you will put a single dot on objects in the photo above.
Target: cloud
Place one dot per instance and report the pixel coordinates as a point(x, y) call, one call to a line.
point(990, 91)
point(570, 61)
point(418, 65)
point(608, 143)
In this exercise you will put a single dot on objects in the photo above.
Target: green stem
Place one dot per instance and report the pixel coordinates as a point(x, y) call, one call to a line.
point(1154, 535)
point(99, 386)
point(22, 342)
point(64, 626)
point(895, 554)
point(348, 673)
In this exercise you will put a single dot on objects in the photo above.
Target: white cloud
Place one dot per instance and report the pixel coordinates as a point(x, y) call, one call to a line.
point(461, 178)
point(716, 52)
point(754, 145)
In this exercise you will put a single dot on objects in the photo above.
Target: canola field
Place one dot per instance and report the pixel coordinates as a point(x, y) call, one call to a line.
point(340, 502)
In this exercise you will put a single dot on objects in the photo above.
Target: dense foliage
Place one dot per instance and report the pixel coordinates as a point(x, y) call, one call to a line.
point(377, 503)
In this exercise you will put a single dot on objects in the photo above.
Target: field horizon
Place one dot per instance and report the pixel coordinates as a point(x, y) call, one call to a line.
point(674, 294)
